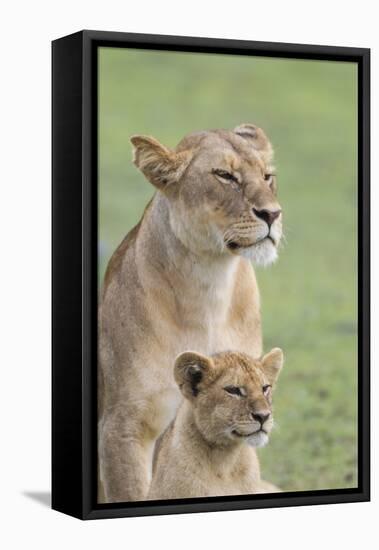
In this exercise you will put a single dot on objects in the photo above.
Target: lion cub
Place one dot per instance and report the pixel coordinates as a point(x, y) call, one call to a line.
point(208, 449)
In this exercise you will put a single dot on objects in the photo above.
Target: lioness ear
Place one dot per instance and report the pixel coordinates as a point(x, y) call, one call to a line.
point(162, 166)
point(272, 364)
point(190, 370)
point(257, 138)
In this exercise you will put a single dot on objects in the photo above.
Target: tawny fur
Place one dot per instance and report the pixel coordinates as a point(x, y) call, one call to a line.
point(208, 449)
point(176, 283)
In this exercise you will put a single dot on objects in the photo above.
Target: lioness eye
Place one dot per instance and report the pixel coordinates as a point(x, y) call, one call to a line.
point(233, 390)
point(266, 388)
point(225, 175)
point(268, 177)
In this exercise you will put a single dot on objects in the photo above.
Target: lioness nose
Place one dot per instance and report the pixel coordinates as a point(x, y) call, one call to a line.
point(260, 416)
point(269, 216)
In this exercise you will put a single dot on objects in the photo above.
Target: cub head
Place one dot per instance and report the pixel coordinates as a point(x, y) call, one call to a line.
point(221, 190)
point(231, 394)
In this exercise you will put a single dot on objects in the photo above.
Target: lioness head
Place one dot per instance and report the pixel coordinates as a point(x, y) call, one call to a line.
point(231, 394)
point(221, 188)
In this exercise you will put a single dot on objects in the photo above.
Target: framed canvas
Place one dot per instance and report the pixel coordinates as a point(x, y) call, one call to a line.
point(210, 224)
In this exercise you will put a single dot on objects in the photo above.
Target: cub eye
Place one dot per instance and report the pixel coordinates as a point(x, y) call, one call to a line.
point(268, 177)
point(225, 175)
point(234, 390)
point(266, 388)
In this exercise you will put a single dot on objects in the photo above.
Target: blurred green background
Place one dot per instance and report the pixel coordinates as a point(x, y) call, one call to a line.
point(309, 297)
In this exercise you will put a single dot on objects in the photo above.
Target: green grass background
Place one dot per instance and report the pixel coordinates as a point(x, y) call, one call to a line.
point(309, 297)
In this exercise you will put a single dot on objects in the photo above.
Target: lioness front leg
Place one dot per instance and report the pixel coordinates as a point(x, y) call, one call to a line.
point(125, 448)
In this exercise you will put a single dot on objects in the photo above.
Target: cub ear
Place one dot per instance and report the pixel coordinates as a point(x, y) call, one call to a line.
point(190, 370)
point(161, 166)
point(257, 138)
point(272, 364)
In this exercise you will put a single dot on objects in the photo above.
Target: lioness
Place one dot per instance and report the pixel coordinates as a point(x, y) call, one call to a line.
point(207, 450)
point(180, 280)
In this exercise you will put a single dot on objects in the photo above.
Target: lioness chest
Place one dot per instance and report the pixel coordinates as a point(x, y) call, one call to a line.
point(209, 312)
point(219, 311)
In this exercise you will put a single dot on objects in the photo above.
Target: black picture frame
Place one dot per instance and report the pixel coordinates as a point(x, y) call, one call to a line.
point(74, 271)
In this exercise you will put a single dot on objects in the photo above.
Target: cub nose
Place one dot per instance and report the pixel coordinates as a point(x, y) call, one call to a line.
point(269, 216)
point(260, 416)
